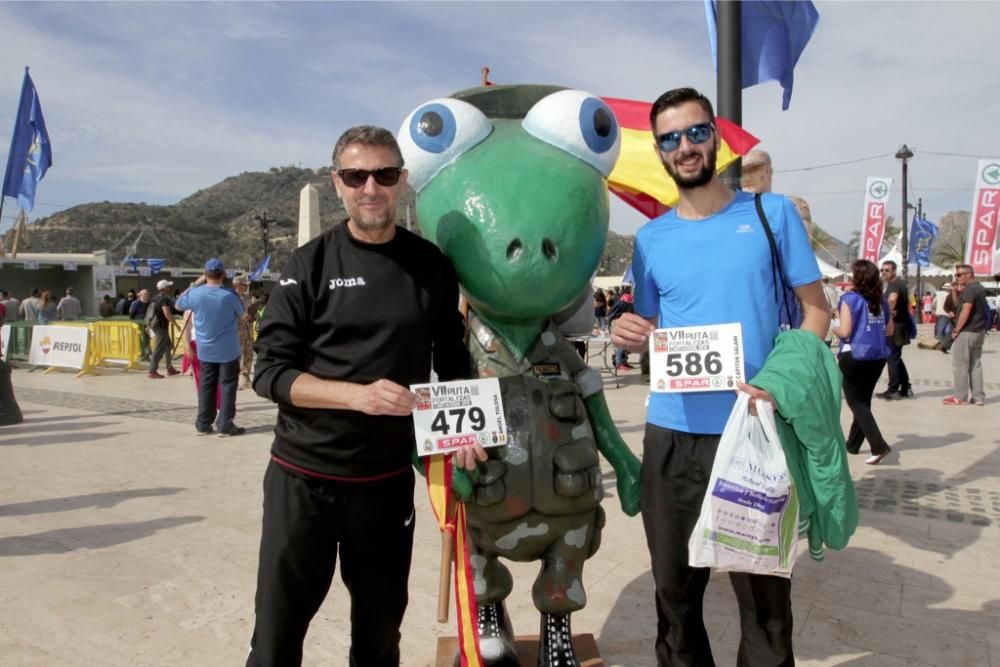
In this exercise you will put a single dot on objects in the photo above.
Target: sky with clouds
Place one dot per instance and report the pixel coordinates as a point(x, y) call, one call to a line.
point(150, 102)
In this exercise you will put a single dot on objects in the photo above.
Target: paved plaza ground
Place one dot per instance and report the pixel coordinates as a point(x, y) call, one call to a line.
point(126, 540)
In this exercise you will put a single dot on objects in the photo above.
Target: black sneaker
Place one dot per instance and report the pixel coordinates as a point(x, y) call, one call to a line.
point(209, 431)
point(889, 395)
point(233, 430)
point(906, 393)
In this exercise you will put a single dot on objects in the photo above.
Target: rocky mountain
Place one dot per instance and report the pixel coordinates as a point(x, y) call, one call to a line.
point(220, 221)
point(224, 221)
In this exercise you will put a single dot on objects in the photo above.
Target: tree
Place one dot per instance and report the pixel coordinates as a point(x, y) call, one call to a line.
point(890, 235)
point(853, 245)
point(950, 254)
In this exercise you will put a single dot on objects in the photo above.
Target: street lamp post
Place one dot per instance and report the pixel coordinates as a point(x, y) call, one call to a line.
point(264, 224)
point(919, 208)
point(904, 154)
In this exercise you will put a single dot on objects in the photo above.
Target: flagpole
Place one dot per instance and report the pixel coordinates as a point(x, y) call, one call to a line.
point(920, 287)
point(729, 82)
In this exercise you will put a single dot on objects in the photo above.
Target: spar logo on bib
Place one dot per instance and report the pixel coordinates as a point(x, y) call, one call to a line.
point(46, 344)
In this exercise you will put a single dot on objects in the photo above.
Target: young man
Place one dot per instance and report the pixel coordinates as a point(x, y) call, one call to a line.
point(968, 336)
point(29, 307)
point(216, 313)
point(899, 299)
point(670, 265)
point(355, 318)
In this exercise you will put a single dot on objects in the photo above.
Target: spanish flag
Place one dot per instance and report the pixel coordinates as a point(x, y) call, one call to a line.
point(450, 514)
point(639, 178)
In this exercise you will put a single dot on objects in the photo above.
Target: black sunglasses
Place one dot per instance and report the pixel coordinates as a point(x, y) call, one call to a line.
point(356, 178)
point(696, 134)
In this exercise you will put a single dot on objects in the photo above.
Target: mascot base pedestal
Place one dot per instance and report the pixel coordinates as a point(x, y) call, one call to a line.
point(527, 650)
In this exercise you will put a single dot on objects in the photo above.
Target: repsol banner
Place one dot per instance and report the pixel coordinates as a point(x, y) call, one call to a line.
point(58, 346)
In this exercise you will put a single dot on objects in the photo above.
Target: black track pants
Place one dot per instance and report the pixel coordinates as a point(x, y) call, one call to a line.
point(306, 522)
point(675, 471)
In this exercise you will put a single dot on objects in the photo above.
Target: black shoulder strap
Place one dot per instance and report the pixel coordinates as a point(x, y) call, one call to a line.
point(776, 270)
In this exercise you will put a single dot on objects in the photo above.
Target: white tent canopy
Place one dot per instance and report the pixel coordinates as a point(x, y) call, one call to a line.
point(929, 271)
point(828, 270)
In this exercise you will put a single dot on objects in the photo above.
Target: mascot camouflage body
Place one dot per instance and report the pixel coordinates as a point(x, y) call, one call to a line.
point(510, 184)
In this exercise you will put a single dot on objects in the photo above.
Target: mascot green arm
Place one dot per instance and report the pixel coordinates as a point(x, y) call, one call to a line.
point(614, 449)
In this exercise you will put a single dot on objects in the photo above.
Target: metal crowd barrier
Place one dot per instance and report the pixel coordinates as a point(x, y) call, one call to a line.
point(115, 342)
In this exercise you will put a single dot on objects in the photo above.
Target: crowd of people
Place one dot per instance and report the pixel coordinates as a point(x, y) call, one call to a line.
point(40, 306)
point(161, 331)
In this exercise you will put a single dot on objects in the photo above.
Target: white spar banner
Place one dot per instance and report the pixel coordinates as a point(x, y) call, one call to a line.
point(58, 346)
point(873, 227)
point(4, 340)
point(982, 236)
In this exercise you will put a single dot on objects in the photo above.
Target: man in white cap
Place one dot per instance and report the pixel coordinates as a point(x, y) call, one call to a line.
point(159, 329)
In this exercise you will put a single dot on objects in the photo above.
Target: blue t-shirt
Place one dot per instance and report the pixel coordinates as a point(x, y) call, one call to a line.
point(714, 271)
point(217, 313)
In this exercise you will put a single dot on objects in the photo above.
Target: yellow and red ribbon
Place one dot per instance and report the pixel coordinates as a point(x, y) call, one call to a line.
point(438, 469)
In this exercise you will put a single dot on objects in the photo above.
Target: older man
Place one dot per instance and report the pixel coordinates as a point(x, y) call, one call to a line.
point(359, 313)
point(968, 336)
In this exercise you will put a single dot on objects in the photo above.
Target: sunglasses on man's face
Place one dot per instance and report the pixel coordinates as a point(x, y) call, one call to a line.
point(356, 178)
point(696, 134)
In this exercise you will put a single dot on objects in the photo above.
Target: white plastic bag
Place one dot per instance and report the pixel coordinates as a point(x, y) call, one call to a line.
point(750, 516)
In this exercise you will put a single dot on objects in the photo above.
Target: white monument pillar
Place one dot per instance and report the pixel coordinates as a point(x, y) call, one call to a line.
point(308, 214)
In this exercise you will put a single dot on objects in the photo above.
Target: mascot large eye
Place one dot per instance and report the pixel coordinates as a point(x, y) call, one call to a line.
point(580, 124)
point(436, 133)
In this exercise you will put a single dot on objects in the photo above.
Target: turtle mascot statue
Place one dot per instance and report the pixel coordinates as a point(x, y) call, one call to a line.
point(511, 185)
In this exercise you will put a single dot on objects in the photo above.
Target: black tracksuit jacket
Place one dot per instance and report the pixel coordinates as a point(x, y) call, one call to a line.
point(358, 312)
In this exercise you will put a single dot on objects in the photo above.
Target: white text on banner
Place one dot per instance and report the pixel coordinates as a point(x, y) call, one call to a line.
point(983, 223)
point(873, 227)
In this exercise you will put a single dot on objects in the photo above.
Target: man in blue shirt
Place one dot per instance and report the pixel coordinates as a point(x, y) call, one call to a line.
point(708, 262)
point(217, 311)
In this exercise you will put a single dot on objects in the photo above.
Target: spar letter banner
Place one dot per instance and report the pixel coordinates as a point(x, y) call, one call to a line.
point(873, 227)
point(58, 346)
point(983, 223)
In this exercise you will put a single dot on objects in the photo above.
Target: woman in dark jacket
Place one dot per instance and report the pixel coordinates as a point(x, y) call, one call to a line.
point(863, 350)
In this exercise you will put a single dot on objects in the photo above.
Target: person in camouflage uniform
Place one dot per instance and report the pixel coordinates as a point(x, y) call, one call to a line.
point(246, 327)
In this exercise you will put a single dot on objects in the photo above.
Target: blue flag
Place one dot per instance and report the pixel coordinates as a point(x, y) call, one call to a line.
point(774, 35)
point(261, 268)
point(156, 264)
point(30, 151)
point(922, 235)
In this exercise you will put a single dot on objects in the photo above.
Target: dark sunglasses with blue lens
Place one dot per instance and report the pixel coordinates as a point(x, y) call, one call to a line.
point(696, 134)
